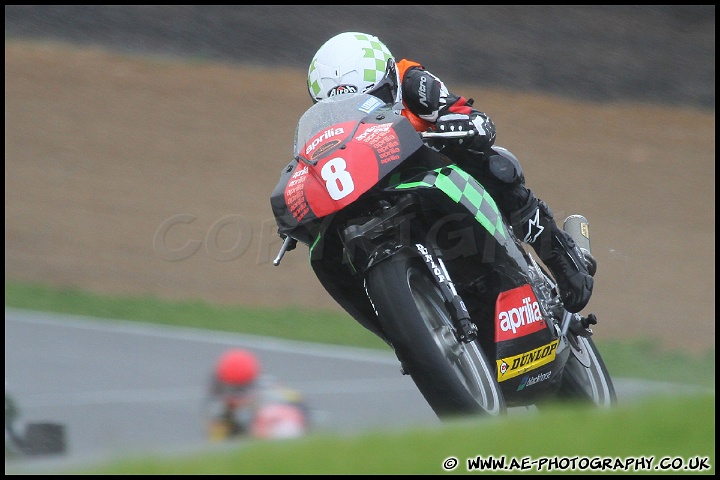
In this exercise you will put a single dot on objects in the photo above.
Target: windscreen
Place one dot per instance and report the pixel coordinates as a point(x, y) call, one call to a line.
point(317, 122)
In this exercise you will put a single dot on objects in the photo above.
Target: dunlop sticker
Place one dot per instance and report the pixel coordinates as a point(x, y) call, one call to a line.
point(513, 366)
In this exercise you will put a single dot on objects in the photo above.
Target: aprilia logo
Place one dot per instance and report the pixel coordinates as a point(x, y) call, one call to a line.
point(373, 131)
point(323, 136)
point(518, 314)
point(301, 172)
point(517, 317)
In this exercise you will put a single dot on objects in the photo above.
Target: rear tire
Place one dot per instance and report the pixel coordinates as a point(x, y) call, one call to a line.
point(454, 377)
point(585, 377)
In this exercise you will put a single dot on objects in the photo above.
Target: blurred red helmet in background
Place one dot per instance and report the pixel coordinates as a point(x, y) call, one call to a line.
point(237, 367)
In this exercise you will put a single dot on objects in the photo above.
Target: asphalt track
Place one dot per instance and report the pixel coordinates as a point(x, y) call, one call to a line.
point(124, 388)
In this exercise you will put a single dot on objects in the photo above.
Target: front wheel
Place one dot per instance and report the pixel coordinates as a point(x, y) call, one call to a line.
point(454, 377)
point(585, 377)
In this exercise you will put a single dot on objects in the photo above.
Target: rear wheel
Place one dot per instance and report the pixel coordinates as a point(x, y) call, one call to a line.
point(585, 377)
point(454, 377)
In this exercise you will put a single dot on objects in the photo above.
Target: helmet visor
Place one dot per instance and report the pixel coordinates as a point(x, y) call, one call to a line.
point(387, 88)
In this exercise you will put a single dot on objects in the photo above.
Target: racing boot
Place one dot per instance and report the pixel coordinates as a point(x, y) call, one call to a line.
point(535, 225)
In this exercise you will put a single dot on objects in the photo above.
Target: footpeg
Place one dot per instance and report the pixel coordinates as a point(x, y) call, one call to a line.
point(591, 319)
point(580, 326)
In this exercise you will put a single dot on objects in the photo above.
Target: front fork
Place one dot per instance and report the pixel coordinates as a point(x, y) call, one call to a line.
point(465, 329)
point(387, 233)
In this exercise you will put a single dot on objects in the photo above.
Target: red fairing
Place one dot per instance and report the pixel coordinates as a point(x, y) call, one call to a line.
point(339, 178)
point(517, 314)
point(295, 192)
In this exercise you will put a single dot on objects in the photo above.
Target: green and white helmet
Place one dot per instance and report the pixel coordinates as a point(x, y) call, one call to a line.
point(353, 62)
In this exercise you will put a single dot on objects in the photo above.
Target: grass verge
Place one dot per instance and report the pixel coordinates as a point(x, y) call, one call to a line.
point(637, 438)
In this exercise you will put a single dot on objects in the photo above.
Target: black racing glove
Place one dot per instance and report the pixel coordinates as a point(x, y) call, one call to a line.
point(479, 130)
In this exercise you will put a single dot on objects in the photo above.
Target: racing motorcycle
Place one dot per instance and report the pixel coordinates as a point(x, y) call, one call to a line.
point(416, 251)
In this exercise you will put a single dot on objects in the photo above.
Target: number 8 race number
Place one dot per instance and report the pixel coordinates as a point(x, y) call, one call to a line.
point(338, 181)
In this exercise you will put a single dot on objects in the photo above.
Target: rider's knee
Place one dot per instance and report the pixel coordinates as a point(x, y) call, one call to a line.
point(505, 168)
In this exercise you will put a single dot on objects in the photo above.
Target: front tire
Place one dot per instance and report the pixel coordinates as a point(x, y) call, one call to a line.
point(454, 377)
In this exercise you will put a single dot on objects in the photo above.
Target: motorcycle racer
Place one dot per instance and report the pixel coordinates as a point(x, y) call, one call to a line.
point(354, 62)
point(242, 402)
